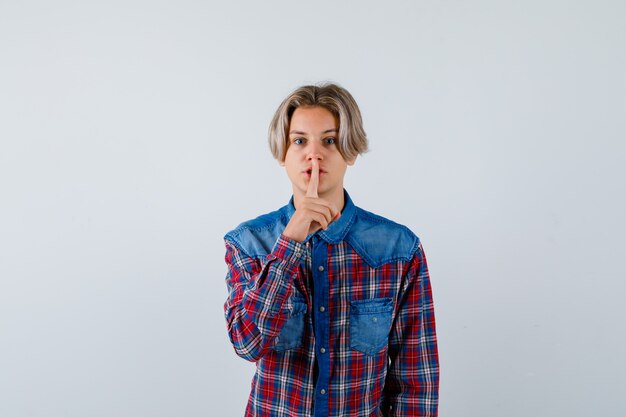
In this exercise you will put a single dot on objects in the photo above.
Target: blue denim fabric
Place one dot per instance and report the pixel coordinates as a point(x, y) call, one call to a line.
point(376, 239)
point(370, 323)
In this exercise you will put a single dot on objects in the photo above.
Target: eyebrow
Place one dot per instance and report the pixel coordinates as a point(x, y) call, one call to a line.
point(297, 132)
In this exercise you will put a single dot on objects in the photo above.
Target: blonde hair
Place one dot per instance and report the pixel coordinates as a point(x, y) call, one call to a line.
point(352, 138)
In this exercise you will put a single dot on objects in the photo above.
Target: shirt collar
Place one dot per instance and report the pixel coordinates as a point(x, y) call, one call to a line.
point(338, 229)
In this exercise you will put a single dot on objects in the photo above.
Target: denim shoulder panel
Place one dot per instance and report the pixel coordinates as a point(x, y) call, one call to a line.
point(257, 237)
point(379, 240)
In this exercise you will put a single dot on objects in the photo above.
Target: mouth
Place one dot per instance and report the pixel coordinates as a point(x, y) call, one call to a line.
point(308, 172)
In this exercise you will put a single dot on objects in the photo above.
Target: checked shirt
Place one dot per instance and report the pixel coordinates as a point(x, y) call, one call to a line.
point(341, 324)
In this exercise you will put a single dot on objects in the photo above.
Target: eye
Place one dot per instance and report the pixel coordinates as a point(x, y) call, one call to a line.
point(298, 141)
point(330, 141)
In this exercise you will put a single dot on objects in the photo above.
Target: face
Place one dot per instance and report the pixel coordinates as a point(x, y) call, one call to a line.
point(314, 133)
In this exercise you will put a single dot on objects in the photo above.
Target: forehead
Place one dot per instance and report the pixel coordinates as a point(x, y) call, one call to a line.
point(313, 120)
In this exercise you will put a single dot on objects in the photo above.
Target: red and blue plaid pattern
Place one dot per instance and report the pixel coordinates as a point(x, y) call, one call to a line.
point(402, 379)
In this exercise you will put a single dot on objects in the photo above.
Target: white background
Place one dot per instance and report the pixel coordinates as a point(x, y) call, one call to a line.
point(133, 136)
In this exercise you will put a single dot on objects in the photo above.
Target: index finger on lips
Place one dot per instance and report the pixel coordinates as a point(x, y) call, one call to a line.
point(314, 180)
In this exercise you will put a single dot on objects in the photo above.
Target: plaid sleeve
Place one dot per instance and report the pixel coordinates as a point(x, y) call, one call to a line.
point(412, 382)
point(257, 292)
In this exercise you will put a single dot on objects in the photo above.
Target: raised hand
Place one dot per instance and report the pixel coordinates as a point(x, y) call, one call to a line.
point(313, 213)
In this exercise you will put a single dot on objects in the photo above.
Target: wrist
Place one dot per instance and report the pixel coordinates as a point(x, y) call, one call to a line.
point(293, 233)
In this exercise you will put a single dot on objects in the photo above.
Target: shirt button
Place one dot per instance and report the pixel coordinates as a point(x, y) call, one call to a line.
point(320, 268)
point(322, 391)
point(322, 309)
point(323, 350)
point(298, 254)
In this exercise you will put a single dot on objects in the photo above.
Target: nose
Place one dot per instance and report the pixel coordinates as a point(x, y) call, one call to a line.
point(314, 151)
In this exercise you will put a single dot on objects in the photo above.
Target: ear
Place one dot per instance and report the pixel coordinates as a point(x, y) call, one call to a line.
point(351, 161)
point(281, 163)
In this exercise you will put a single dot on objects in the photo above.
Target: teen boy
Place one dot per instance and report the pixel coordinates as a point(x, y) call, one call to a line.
point(332, 302)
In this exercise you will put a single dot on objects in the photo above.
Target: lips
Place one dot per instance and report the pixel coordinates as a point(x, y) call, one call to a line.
point(308, 171)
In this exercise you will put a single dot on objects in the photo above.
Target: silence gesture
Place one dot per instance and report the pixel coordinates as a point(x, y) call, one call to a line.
point(313, 213)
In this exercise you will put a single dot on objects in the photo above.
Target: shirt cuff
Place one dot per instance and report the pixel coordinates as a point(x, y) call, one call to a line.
point(290, 251)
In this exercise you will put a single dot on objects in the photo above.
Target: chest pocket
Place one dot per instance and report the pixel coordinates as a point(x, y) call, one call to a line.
point(292, 333)
point(370, 322)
